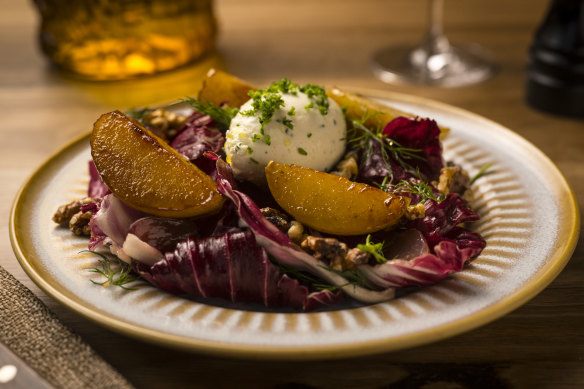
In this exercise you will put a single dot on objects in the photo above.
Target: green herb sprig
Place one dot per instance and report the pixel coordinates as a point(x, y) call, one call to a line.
point(221, 115)
point(117, 273)
point(418, 187)
point(359, 136)
point(355, 278)
point(480, 173)
point(375, 249)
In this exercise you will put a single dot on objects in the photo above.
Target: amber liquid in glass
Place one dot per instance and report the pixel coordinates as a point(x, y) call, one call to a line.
point(119, 39)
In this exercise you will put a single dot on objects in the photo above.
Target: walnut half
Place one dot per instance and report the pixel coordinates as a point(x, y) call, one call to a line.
point(335, 253)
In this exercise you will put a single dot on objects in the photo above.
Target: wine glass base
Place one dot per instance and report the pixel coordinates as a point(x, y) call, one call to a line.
point(458, 66)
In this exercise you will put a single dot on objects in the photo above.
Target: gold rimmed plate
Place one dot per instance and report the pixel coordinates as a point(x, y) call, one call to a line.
point(529, 219)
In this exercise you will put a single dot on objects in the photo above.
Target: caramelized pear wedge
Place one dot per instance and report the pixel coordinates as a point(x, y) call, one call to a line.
point(333, 204)
point(357, 106)
point(220, 87)
point(146, 173)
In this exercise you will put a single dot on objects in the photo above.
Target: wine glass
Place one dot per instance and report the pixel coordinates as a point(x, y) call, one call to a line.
point(435, 61)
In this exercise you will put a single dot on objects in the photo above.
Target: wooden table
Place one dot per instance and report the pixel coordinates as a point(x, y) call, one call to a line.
point(330, 42)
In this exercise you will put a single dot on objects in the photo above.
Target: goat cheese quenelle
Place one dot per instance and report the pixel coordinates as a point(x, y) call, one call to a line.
point(289, 124)
point(352, 200)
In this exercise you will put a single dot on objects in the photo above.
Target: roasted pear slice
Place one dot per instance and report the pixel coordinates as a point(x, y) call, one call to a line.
point(146, 173)
point(333, 204)
point(220, 87)
point(376, 115)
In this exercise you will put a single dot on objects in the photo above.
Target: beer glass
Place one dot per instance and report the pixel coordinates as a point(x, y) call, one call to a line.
point(120, 39)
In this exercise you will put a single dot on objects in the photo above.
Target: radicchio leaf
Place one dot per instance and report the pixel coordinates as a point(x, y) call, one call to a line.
point(96, 188)
point(199, 135)
point(233, 267)
point(111, 225)
point(441, 219)
point(424, 270)
point(451, 247)
point(151, 236)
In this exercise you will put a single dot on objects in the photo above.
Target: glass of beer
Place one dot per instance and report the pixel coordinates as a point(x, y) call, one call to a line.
point(120, 39)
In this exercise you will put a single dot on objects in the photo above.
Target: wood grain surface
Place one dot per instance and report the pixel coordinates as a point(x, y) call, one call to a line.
point(540, 345)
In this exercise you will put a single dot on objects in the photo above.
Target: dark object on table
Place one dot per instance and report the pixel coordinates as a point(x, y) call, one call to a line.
point(555, 76)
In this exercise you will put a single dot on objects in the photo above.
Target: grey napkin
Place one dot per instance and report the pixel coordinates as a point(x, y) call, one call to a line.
point(39, 338)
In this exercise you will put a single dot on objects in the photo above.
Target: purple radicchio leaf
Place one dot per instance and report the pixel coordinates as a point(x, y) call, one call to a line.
point(232, 267)
point(199, 135)
point(97, 188)
point(92, 207)
point(110, 225)
point(150, 236)
point(282, 248)
point(423, 270)
point(442, 218)
point(451, 247)
point(406, 245)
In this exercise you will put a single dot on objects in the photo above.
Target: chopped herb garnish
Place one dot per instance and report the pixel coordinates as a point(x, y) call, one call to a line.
point(309, 135)
point(375, 249)
point(116, 273)
point(480, 173)
point(249, 150)
point(265, 102)
point(256, 137)
point(318, 94)
point(302, 151)
point(268, 139)
point(288, 123)
point(310, 105)
point(221, 115)
point(283, 86)
point(254, 161)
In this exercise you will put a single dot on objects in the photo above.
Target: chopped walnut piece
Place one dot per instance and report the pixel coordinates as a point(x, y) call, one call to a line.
point(165, 124)
point(335, 253)
point(347, 167)
point(277, 218)
point(452, 180)
point(328, 249)
point(296, 231)
point(356, 257)
point(417, 211)
point(79, 223)
point(65, 212)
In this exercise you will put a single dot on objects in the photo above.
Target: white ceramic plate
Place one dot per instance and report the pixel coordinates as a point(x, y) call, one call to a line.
point(529, 219)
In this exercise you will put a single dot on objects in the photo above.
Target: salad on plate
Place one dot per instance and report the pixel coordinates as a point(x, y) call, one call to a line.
point(288, 197)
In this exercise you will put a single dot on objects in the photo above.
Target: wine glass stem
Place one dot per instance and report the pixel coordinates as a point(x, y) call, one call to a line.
point(436, 13)
point(435, 41)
